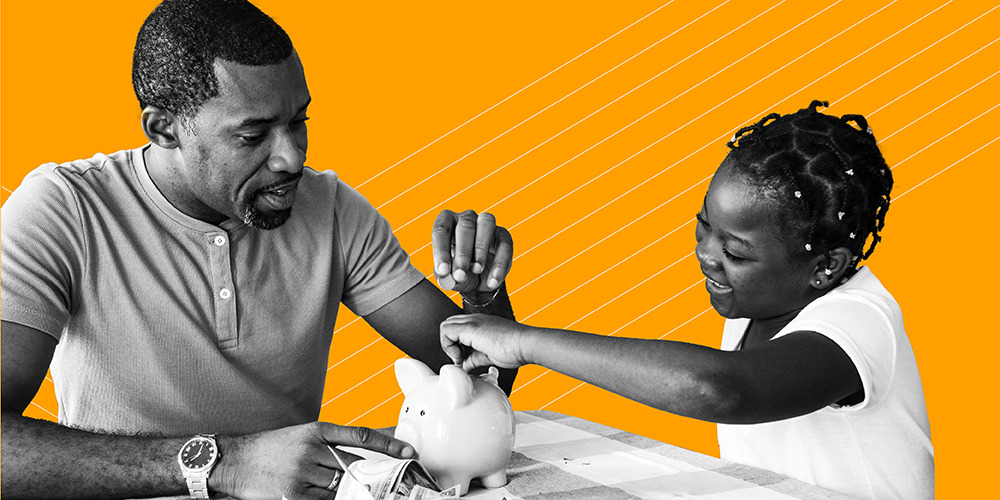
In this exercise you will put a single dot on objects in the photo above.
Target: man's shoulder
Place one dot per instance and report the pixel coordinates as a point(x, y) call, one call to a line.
point(93, 170)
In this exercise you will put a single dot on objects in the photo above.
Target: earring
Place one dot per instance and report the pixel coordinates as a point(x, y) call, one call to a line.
point(818, 282)
point(827, 271)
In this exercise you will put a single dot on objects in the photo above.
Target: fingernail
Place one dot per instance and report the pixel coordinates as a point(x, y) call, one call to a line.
point(493, 283)
point(459, 275)
point(406, 453)
point(443, 269)
point(477, 268)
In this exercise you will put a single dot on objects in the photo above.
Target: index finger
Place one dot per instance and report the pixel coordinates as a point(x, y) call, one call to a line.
point(442, 237)
point(363, 437)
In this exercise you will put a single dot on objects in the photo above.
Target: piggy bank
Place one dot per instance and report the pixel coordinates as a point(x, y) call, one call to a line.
point(461, 427)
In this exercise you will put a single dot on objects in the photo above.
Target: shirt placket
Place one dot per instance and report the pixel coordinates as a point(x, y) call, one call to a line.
point(223, 290)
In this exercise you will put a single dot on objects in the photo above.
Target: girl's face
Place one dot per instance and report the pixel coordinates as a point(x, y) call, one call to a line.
point(750, 272)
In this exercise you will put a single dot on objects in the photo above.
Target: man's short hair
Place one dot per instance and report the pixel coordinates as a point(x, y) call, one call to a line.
point(175, 52)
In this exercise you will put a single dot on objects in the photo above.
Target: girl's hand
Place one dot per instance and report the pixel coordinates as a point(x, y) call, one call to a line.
point(474, 340)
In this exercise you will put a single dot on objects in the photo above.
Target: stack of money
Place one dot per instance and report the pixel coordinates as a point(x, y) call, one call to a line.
point(391, 479)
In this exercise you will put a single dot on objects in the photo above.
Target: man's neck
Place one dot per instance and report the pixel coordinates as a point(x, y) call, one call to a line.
point(160, 166)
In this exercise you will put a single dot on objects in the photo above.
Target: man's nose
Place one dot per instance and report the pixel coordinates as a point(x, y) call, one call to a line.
point(286, 155)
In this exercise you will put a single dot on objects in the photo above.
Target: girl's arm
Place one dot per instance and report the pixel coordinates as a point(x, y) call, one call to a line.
point(786, 377)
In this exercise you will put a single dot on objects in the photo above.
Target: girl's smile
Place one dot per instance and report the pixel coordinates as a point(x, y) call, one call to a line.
point(750, 271)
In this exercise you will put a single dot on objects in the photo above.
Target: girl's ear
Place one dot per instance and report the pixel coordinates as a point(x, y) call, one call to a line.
point(160, 127)
point(831, 268)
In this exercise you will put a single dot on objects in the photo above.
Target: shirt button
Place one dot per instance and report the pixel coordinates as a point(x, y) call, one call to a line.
point(225, 293)
point(219, 241)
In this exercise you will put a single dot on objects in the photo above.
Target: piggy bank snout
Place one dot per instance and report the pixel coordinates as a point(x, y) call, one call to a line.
point(408, 431)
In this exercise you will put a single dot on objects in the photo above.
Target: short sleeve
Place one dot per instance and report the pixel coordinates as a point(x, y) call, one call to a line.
point(43, 252)
point(377, 269)
point(865, 333)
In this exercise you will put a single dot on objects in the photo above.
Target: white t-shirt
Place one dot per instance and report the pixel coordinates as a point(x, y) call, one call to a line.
point(879, 448)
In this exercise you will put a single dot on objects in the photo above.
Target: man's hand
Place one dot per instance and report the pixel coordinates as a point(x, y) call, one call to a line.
point(293, 462)
point(471, 253)
point(475, 340)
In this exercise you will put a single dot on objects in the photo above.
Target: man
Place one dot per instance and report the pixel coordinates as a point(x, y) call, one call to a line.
point(185, 292)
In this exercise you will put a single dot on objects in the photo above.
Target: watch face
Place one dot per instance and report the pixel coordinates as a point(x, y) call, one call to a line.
point(197, 453)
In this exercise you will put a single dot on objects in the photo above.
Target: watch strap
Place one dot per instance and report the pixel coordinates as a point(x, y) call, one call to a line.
point(197, 480)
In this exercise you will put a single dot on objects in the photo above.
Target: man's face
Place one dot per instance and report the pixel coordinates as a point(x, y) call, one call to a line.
point(244, 150)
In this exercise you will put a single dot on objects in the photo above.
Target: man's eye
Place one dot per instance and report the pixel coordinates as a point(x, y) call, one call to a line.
point(250, 138)
point(299, 123)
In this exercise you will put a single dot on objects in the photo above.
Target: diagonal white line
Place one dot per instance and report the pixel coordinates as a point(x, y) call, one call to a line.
point(735, 95)
point(356, 385)
point(937, 108)
point(897, 197)
point(921, 52)
point(602, 273)
point(664, 104)
point(620, 295)
point(670, 134)
point(933, 77)
point(946, 168)
point(514, 94)
point(845, 63)
point(46, 411)
point(661, 338)
point(637, 219)
point(637, 318)
point(660, 140)
point(470, 186)
point(446, 167)
point(732, 97)
point(374, 407)
point(5, 189)
point(944, 136)
point(355, 353)
point(706, 310)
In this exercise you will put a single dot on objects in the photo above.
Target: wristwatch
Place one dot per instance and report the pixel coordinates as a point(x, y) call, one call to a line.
point(197, 458)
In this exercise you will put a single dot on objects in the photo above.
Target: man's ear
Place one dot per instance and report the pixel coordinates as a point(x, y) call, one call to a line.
point(831, 268)
point(161, 127)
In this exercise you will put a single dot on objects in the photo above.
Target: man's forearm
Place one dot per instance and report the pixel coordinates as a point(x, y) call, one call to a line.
point(46, 460)
point(497, 304)
point(493, 303)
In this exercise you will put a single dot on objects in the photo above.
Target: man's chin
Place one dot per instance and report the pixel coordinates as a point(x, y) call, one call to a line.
point(265, 219)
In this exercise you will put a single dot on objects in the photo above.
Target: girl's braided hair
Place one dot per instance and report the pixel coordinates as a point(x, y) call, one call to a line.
point(826, 174)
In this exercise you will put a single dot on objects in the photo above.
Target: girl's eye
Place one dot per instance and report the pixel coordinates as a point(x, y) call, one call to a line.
point(702, 221)
point(732, 258)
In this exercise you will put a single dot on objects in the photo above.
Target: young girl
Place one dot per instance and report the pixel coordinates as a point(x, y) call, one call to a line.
point(816, 378)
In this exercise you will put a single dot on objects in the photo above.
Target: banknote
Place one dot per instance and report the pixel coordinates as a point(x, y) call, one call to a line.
point(390, 479)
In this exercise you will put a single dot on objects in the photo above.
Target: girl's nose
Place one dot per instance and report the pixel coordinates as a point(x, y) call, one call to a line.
point(705, 254)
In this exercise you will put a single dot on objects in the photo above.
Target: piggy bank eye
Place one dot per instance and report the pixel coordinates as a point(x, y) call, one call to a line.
point(422, 413)
point(407, 410)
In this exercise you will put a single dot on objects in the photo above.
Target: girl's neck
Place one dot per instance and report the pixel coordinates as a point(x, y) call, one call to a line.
point(762, 330)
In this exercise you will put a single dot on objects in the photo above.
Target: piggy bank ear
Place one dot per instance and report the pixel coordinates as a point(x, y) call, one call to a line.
point(410, 372)
point(457, 385)
point(492, 376)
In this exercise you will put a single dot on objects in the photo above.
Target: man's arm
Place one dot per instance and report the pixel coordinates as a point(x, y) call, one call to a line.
point(42, 459)
point(472, 255)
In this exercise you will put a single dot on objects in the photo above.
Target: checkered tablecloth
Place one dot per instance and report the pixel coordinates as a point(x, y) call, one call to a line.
point(561, 457)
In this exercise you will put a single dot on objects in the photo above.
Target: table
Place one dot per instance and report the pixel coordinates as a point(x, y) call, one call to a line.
point(562, 457)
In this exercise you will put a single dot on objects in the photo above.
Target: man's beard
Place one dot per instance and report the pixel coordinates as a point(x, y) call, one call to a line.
point(254, 217)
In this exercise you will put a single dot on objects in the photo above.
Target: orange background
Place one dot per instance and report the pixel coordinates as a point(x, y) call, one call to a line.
point(389, 79)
